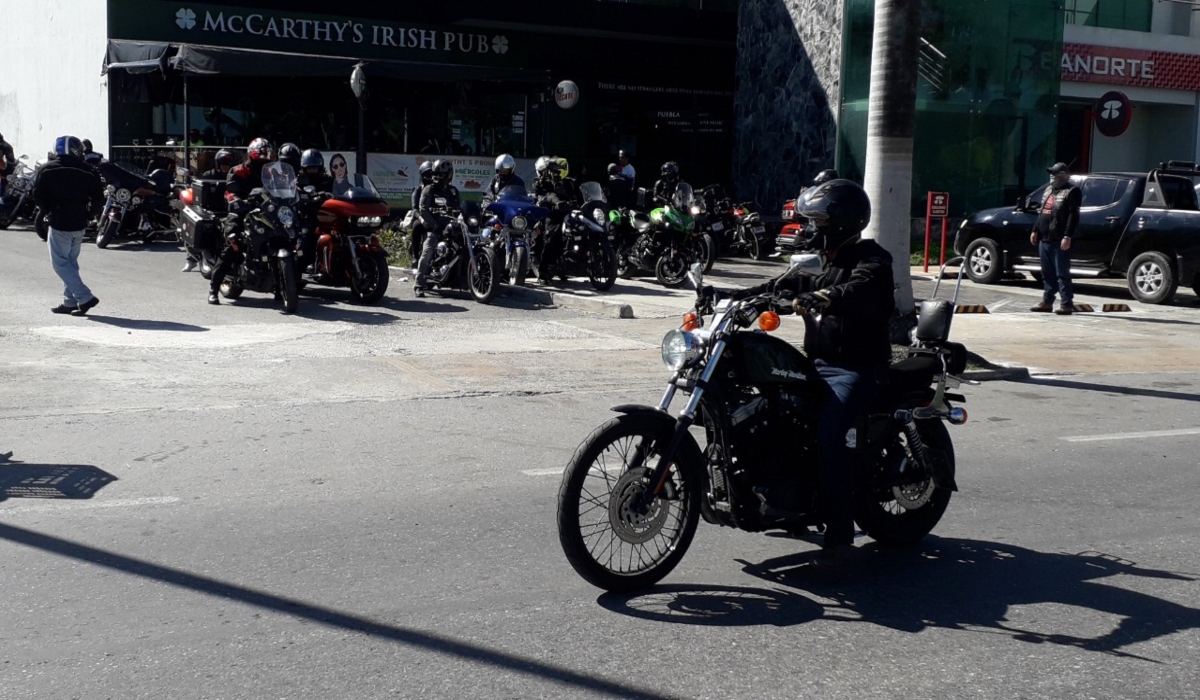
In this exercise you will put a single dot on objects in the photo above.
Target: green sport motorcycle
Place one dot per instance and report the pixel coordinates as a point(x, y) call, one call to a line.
point(665, 242)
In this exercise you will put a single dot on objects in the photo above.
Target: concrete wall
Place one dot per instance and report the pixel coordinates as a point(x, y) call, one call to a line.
point(788, 76)
point(53, 50)
point(1157, 133)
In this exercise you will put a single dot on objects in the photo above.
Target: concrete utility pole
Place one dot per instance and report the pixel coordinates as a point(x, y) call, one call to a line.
point(890, 116)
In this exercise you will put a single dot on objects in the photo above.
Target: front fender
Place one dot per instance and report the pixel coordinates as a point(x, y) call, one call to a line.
point(689, 450)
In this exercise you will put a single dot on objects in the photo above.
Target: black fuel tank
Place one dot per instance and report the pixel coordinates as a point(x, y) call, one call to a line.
point(759, 359)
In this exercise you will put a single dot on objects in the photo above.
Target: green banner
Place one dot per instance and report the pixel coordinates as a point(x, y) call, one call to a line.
point(305, 33)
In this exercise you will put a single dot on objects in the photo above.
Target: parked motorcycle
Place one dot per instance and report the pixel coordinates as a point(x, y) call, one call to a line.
point(263, 228)
point(665, 242)
point(741, 454)
point(586, 250)
point(464, 258)
point(348, 252)
point(736, 229)
point(514, 217)
point(136, 206)
point(18, 195)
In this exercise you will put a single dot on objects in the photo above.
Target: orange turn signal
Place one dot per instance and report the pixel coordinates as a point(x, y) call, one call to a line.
point(187, 196)
point(768, 321)
point(691, 321)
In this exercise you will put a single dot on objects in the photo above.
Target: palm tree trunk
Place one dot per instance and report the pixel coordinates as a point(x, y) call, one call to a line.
point(890, 116)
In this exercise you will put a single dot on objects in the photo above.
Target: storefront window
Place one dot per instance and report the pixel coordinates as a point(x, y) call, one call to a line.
point(1133, 15)
point(986, 99)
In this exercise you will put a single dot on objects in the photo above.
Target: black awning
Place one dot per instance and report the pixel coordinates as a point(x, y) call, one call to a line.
point(136, 57)
point(195, 59)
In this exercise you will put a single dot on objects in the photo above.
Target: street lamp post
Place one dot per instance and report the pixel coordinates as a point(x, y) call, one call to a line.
point(358, 83)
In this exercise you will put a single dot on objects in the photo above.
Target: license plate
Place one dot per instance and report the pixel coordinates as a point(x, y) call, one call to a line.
point(758, 229)
point(717, 228)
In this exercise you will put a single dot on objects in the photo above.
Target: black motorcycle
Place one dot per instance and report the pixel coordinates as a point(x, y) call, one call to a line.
point(464, 259)
point(136, 207)
point(18, 196)
point(584, 241)
point(736, 229)
point(264, 229)
point(741, 453)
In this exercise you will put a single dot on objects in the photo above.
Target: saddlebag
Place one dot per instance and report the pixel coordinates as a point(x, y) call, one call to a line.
point(199, 227)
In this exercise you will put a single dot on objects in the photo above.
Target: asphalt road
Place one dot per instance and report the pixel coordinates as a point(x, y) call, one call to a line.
point(359, 503)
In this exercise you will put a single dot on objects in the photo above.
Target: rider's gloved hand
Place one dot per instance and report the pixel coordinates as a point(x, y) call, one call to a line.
point(811, 301)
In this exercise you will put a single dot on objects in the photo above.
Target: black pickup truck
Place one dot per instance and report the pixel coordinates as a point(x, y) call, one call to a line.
point(1142, 227)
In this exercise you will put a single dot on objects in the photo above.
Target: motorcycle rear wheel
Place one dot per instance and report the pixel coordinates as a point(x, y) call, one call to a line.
point(602, 270)
point(290, 290)
point(518, 267)
point(484, 277)
point(41, 224)
point(374, 282)
point(671, 268)
point(605, 536)
point(107, 233)
point(903, 515)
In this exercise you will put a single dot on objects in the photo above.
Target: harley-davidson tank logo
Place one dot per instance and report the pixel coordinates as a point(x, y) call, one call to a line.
point(775, 371)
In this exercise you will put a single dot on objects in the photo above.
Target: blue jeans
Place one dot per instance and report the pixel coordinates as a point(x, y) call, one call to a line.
point(1056, 272)
point(843, 399)
point(64, 257)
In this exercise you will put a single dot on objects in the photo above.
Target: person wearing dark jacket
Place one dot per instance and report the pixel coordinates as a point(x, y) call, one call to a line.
point(241, 181)
point(664, 188)
point(855, 298)
point(69, 189)
point(506, 176)
point(1056, 223)
point(312, 172)
point(434, 217)
point(417, 236)
point(619, 188)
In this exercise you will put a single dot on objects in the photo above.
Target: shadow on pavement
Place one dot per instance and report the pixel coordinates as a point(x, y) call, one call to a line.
point(140, 325)
point(943, 583)
point(430, 642)
point(1111, 389)
point(67, 481)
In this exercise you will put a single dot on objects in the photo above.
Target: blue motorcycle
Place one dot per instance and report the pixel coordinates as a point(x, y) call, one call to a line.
point(514, 216)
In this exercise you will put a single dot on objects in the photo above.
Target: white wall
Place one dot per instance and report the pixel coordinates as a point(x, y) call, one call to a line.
point(51, 83)
point(1156, 133)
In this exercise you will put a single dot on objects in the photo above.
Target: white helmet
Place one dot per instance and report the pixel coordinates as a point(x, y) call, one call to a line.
point(542, 164)
point(505, 164)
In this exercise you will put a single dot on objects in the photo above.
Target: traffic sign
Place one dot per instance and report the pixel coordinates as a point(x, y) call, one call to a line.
point(939, 204)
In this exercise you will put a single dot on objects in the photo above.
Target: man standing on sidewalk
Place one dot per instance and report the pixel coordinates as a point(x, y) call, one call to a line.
point(68, 189)
point(1056, 222)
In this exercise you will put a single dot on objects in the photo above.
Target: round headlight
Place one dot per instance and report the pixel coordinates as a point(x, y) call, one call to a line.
point(286, 216)
point(679, 348)
point(123, 195)
point(599, 215)
point(520, 223)
point(695, 210)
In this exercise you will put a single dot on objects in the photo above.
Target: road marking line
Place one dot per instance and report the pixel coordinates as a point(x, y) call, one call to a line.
point(55, 504)
point(542, 472)
point(1133, 436)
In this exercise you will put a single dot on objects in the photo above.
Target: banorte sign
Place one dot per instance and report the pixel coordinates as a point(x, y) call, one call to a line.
point(334, 31)
point(1111, 65)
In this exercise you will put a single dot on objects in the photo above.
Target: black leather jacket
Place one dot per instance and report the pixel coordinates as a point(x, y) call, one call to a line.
point(858, 282)
point(70, 190)
point(435, 215)
point(1059, 213)
point(501, 181)
point(664, 190)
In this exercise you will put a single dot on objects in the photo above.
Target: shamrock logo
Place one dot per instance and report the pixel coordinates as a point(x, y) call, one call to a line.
point(500, 44)
point(186, 19)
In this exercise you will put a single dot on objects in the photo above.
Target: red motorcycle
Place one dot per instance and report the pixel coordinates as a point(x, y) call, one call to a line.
point(348, 252)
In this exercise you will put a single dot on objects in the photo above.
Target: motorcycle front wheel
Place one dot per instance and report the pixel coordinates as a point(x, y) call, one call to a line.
point(41, 224)
point(289, 289)
point(609, 537)
point(107, 233)
point(373, 283)
point(708, 252)
point(904, 514)
point(671, 268)
point(6, 219)
point(602, 268)
point(518, 266)
point(484, 276)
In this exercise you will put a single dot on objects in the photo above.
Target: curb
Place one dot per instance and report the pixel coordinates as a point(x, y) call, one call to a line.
point(997, 374)
point(566, 300)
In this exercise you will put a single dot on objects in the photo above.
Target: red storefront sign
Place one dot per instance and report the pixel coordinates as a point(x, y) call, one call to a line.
point(1110, 65)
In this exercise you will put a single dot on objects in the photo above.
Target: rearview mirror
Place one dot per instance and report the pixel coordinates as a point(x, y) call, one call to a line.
point(806, 264)
point(1021, 203)
point(696, 275)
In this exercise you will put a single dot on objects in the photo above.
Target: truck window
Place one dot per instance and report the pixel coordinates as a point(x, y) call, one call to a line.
point(1178, 193)
point(1102, 191)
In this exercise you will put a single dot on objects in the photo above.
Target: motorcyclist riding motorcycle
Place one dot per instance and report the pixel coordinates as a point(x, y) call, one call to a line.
point(854, 296)
point(417, 236)
point(664, 189)
point(620, 192)
point(290, 153)
point(312, 172)
point(506, 176)
point(558, 193)
point(241, 181)
point(441, 187)
point(222, 164)
point(90, 156)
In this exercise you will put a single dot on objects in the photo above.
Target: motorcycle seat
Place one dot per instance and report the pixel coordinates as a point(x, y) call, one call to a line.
point(913, 374)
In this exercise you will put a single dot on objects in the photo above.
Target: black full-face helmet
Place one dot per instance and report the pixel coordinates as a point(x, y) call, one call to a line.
point(312, 158)
point(670, 170)
point(226, 157)
point(825, 176)
point(840, 209)
point(290, 153)
point(443, 170)
point(425, 170)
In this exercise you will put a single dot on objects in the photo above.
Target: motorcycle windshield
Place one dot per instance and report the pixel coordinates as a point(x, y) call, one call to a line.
point(355, 187)
point(279, 180)
point(515, 193)
point(683, 196)
point(592, 192)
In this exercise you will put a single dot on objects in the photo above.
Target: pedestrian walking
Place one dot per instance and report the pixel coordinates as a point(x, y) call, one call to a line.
point(1052, 233)
point(69, 190)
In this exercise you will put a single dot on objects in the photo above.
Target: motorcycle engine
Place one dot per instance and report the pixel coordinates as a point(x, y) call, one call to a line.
point(772, 441)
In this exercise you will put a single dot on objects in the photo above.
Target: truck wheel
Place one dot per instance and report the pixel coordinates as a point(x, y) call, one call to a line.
point(1152, 278)
point(983, 261)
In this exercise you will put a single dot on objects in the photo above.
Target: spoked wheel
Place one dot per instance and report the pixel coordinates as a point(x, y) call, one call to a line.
point(904, 513)
point(485, 277)
point(610, 536)
point(370, 286)
point(518, 266)
point(107, 233)
point(602, 268)
point(671, 268)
